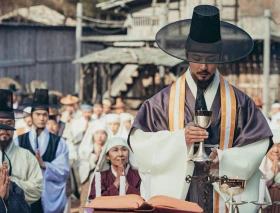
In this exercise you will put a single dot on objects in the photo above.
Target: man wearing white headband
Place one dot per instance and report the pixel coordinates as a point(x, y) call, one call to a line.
point(89, 152)
point(117, 159)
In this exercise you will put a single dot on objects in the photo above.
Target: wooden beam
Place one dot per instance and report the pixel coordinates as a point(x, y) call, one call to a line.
point(81, 82)
point(109, 73)
point(266, 62)
point(94, 87)
point(78, 45)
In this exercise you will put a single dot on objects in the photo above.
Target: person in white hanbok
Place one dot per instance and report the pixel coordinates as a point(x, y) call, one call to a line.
point(116, 129)
point(89, 152)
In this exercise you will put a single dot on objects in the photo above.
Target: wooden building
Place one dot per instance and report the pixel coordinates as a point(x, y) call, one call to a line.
point(146, 17)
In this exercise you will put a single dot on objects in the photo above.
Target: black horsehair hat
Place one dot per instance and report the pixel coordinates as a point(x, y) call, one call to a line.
point(40, 100)
point(6, 106)
point(204, 38)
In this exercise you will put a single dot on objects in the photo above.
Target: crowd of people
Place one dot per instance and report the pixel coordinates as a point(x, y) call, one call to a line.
point(52, 149)
point(57, 144)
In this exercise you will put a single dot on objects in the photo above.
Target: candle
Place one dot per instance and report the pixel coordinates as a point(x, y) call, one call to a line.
point(262, 187)
point(97, 184)
point(238, 199)
point(147, 186)
point(122, 185)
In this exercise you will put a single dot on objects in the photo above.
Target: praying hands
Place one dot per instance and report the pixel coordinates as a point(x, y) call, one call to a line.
point(4, 182)
point(40, 159)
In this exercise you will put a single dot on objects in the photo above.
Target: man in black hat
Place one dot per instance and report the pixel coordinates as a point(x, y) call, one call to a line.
point(11, 195)
point(52, 154)
point(28, 175)
point(163, 134)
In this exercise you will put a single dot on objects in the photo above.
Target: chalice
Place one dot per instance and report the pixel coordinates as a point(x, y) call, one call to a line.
point(232, 187)
point(202, 119)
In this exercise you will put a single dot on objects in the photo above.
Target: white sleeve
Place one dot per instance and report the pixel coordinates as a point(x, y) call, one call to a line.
point(242, 161)
point(164, 153)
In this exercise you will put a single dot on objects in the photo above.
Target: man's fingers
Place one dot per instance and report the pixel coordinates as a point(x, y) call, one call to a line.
point(214, 150)
point(197, 132)
point(194, 128)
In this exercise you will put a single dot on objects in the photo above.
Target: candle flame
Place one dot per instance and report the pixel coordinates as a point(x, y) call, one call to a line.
point(149, 171)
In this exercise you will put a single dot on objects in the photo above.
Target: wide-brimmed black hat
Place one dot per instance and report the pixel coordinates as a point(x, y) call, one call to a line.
point(40, 100)
point(204, 38)
point(6, 106)
point(6, 127)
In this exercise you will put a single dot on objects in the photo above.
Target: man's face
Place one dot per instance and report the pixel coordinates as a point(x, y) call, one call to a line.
point(97, 109)
point(52, 126)
point(6, 136)
point(106, 109)
point(40, 118)
point(87, 114)
point(70, 108)
point(202, 72)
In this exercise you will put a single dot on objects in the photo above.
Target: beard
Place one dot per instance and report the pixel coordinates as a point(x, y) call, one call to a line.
point(205, 83)
point(5, 143)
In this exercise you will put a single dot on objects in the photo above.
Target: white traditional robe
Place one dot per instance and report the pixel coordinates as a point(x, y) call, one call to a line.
point(77, 128)
point(26, 172)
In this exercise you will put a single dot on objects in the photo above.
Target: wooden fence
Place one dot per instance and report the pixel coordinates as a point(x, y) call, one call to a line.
point(43, 53)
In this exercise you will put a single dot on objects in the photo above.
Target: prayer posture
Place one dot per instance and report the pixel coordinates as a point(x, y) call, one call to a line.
point(116, 160)
point(163, 134)
point(12, 196)
point(52, 154)
point(24, 169)
point(89, 152)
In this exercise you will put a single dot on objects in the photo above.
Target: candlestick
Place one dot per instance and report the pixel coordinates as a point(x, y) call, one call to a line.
point(97, 184)
point(122, 185)
point(147, 186)
point(262, 187)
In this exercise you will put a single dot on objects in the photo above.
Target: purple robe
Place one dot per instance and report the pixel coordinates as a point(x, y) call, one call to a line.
point(109, 189)
point(251, 126)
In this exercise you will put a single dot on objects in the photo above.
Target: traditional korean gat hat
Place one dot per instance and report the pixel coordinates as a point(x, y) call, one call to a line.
point(40, 100)
point(6, 106)
point(204, 38)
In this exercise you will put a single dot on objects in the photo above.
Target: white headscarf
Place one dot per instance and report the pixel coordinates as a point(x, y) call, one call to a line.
point(276, 135)
point(87, 144)
point(115, 118)
point(103, 165)
point(86, 148)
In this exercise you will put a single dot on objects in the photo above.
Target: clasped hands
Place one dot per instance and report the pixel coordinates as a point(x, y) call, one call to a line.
point(121, 172)
point(196, 134)
point(4, 182)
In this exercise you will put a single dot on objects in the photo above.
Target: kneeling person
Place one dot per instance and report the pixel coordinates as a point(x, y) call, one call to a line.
point(117, 159)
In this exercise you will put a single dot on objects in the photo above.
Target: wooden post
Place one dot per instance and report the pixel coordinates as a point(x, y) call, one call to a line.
point(78, 45)
point(94, 88)
point(109, 72)
point(266, 62)
point(162, 75)
point(81, 82)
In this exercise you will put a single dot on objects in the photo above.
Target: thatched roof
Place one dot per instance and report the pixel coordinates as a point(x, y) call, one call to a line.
point(40, 14)
point(140, 56)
